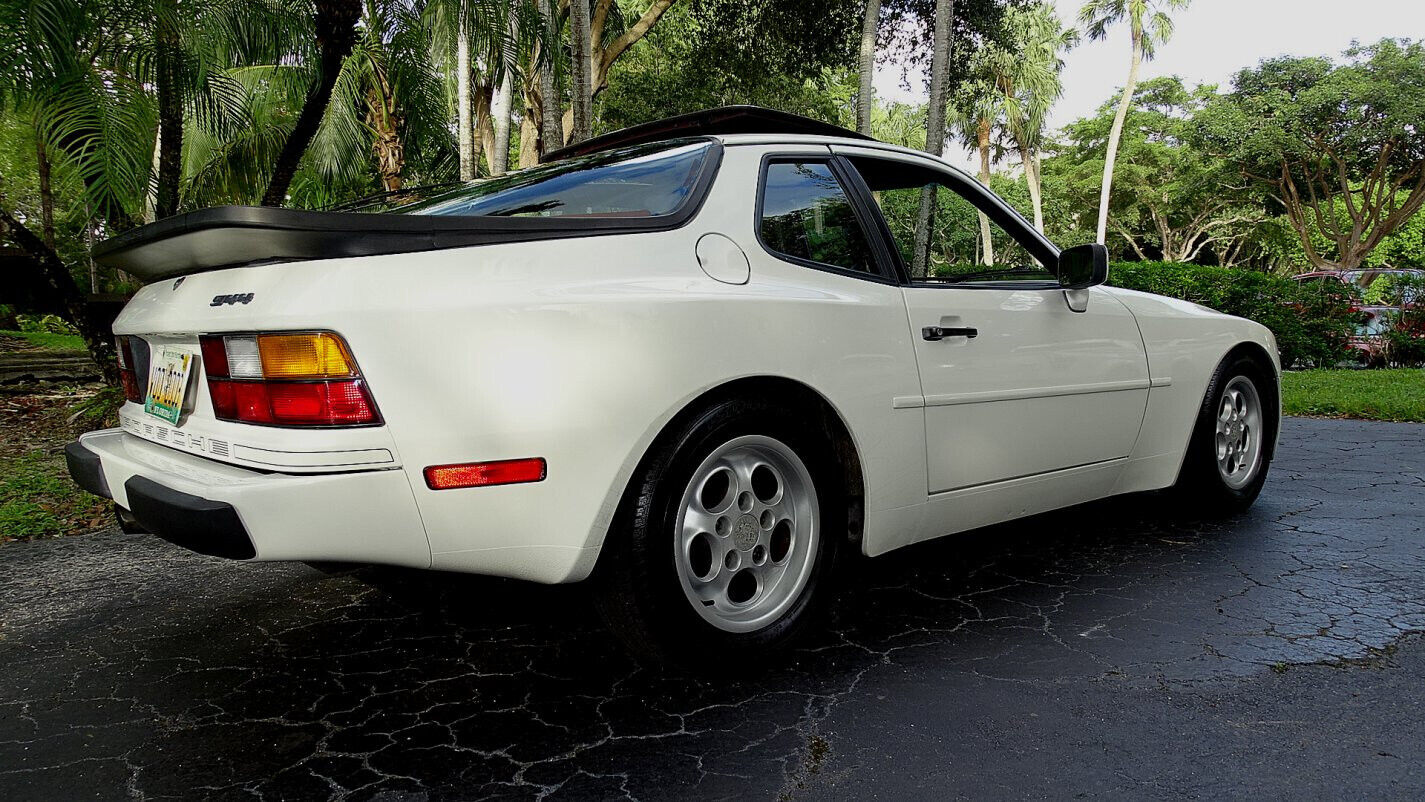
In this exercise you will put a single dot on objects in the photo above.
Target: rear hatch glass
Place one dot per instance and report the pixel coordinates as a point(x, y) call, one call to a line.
point(651, 180)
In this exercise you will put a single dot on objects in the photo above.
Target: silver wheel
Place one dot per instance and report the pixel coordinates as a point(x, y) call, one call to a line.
point(747, 537)
point(1239, 433)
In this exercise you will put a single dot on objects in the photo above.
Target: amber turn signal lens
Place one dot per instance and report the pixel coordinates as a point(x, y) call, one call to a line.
point(484, 474)
point(317, 355)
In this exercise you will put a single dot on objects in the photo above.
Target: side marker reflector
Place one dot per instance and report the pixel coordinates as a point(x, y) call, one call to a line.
point(484, 474)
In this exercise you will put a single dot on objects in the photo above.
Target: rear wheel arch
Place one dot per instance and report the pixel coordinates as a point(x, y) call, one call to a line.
point(828, 419)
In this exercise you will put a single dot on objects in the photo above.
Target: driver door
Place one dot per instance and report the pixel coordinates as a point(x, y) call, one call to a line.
point(1015, 383)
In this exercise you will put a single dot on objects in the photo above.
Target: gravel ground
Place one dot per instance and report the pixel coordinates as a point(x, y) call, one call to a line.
point(1097, 652)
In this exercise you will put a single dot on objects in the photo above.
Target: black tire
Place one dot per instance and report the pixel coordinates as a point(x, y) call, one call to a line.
point(1201, 490)
point(636, 584)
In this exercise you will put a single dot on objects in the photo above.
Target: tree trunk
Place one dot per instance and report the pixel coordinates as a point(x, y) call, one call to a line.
point(384, 120)
point(581, 70)
point(65, 293)
point(529, 138)
point(150, 195)
point(1117, 133)
point(602, 57)
point(500, 106)
point(934, 129)
point(170, 115)
point(46, 191)
point(484, 129)
point(504, 99)
point(982, 142)
point(336, 33)
point(465, 122)
point(865, 96)
point(551, 131)
point(1036, 188)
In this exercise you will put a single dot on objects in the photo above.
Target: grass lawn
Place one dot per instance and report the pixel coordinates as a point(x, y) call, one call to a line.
point(47, 341)
point(38, 499)
point(1395, 395)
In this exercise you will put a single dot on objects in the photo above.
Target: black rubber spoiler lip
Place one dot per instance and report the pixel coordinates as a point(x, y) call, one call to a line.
point(233, 236)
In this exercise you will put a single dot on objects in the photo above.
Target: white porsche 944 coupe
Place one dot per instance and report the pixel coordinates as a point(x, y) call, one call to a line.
point(698, 362)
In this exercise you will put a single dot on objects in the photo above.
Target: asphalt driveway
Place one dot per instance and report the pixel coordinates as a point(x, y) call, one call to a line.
point(1099, 652)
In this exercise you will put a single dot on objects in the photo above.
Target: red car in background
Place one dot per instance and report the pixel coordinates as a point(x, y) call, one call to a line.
point(1378, 313)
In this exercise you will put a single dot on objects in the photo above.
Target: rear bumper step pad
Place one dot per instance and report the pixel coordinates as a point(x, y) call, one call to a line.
point(86, 468)
point(197, 524)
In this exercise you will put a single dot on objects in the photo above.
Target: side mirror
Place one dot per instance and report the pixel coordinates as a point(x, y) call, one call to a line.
point(1083, 266)
point(1080, 268)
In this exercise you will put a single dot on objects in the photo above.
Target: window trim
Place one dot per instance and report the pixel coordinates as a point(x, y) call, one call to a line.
point(850, 185)
point(978, 196)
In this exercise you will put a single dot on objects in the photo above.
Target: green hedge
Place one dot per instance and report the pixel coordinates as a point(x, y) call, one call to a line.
point(1312, 322)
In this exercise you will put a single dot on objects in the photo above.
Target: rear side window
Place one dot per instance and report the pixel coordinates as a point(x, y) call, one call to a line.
point(634, 182)
point(806, 215)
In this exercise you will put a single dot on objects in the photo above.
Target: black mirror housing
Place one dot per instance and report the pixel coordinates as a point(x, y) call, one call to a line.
point(1083, 266)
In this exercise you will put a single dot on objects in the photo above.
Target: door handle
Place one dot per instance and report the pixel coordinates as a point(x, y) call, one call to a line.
point(936, 333)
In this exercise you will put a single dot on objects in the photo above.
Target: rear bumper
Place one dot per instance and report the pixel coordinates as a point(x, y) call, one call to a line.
point(227, 511)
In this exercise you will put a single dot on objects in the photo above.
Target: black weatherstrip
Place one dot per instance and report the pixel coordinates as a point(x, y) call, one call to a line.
point(724, 121)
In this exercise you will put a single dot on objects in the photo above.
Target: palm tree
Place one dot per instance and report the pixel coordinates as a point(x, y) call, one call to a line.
point(464, 123)
point(1150, 26)
point(1028, 82)
point(866, 66)
point(581, 93)
point(185, 57)
point(469, 39)
point(504, 64)
point(388, 111)
point(980, 113)
point(56, 69)
point(551, 133)
point(934, 127)
point(335, 23)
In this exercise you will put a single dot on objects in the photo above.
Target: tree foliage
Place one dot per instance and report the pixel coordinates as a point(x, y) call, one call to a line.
point(1341, 147)
point(1174, 201)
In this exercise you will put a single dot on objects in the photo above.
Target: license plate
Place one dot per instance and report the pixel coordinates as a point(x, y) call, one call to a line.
point(167, 383)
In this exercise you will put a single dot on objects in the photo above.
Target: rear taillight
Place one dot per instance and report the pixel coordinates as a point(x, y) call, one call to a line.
point(127, 378)
point(302, 379)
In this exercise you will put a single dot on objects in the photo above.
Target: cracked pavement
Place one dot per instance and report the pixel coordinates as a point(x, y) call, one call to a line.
point(1100, 651)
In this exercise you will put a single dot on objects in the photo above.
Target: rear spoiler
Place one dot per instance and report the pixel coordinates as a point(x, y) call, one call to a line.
point(232, 236)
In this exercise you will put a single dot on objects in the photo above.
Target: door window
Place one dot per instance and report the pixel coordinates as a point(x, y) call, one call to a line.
point(807, 217)
point(940, 235)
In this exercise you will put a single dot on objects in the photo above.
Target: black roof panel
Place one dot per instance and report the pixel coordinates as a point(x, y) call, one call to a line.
point(712, 122)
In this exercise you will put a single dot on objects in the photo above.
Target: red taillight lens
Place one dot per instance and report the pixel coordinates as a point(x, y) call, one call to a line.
point(242, 391)
point(128, 379)
point(215, 356)
point(331, 403)
point(483, 474)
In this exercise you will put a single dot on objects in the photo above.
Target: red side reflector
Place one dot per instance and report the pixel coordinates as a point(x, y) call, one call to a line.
point(483, 474)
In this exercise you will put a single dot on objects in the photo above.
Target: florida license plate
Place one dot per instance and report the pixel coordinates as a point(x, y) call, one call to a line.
point(167, 383)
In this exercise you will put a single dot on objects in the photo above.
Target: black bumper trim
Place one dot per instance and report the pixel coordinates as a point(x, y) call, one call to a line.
point(197, 524)
point(86, 469)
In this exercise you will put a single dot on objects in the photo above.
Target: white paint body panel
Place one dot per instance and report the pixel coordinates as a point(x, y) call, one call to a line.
point(582, 350)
